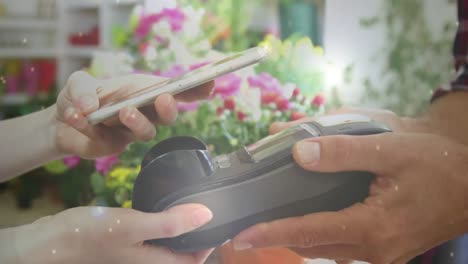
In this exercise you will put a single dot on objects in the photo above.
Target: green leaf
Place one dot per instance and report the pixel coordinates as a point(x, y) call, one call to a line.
point(369, 22)
point(56, 167)
point(98, 183)
point(119, 36)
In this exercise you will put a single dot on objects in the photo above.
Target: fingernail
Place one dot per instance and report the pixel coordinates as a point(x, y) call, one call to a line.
point(169, 102)
point(88, 103)
point(309, 152)
point(238, 246)
point(201, 217)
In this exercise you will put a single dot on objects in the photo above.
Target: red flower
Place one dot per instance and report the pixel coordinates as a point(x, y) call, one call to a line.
point(282, 104)
point(296, 92)
point(241, 116)
point(297, 115)
point(220, 111)
point(318, 100)
point(229, 103)
point(143, 47)
point(269, 97)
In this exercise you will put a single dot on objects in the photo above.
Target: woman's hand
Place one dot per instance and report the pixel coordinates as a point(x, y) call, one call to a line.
point(62, 129)
point(103, 235)
point(84, 94)
point(38, 138)
point(417, 200)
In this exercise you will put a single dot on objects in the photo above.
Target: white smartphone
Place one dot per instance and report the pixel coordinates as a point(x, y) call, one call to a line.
point(182, 83)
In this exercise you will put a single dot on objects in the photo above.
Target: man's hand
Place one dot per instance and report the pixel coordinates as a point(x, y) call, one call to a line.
point(417, 200)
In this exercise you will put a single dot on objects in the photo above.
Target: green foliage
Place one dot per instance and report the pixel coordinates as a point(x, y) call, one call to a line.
point(56, 167)
point(98, 183)
point(236, 16)
point(295, 60)
point(416, 61)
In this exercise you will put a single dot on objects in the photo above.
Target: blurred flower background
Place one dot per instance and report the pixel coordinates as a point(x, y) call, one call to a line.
point(325, 53)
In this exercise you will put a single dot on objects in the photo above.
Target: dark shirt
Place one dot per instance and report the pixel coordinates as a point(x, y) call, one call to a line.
point(460, 53)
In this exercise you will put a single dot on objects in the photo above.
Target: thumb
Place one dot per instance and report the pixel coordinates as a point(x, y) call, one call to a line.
point(82, 91)
point(375, 153)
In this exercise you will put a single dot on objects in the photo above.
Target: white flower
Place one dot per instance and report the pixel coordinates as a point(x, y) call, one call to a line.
point(202, 46)
point(192, 25)
point(181, 51)
point(288, 90)
point(150, 53)
point(162, 29)
point(164, 60)
point(107, 64)
point(250, 101)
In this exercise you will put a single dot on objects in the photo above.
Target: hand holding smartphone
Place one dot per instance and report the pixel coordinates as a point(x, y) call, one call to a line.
point(144, 93)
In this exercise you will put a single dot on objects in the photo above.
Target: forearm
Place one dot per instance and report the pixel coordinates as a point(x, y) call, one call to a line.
point(32, 243)
point(447, 116)
point(27, 143)
point(8, 253)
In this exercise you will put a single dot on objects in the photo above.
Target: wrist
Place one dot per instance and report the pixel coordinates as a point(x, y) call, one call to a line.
point(30, 141)
point(49, 116)
point(417, 125)
point(39, 242)
point(448, 116)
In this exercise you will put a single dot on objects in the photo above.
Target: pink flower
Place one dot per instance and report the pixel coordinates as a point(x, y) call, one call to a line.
point(174, 16)
point(227, 85)
point(265, 82)
point(162, 41)
point(318, 100)
point(72, 161)
point(188, 107)
point(198, 65)
point(273, 31)
point(145, 25)
point(104, 165)
point(175, 71)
